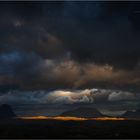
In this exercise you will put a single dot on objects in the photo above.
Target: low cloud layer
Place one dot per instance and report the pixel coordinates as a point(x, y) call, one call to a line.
point(44, 97)
point(89, 96)
point(118, 96)
point(42, 102)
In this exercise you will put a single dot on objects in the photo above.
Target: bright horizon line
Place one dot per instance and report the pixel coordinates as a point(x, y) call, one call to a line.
point(67, 118)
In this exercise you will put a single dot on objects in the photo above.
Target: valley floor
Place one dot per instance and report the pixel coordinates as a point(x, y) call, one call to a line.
point(69, 129)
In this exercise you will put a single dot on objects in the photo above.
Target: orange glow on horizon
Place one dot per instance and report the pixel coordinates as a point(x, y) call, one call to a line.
point(68, 118)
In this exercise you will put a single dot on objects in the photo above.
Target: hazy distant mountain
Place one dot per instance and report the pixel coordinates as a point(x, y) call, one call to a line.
point(83, 112)
point(132, 114)
point(6, 112)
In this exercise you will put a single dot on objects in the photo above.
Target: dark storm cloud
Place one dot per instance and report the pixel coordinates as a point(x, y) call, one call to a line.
point(99, 32)
point(69, 44)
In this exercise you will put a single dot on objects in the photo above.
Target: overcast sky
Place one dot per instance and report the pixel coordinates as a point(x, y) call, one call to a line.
point(68, 46)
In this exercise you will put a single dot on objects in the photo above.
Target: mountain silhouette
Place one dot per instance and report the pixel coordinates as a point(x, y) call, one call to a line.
point(132, 114)
point(83, 112)
point(6, 112)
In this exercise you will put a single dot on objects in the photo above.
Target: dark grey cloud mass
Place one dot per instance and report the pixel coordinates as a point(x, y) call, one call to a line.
point(67, 44)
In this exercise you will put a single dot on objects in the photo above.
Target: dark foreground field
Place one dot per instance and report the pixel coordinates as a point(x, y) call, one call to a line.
point(69, 129)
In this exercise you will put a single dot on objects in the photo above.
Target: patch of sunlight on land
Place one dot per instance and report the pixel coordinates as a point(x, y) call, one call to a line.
point(70, 118)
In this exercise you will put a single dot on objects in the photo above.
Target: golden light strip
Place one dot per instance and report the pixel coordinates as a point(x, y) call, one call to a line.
point(70, 118)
